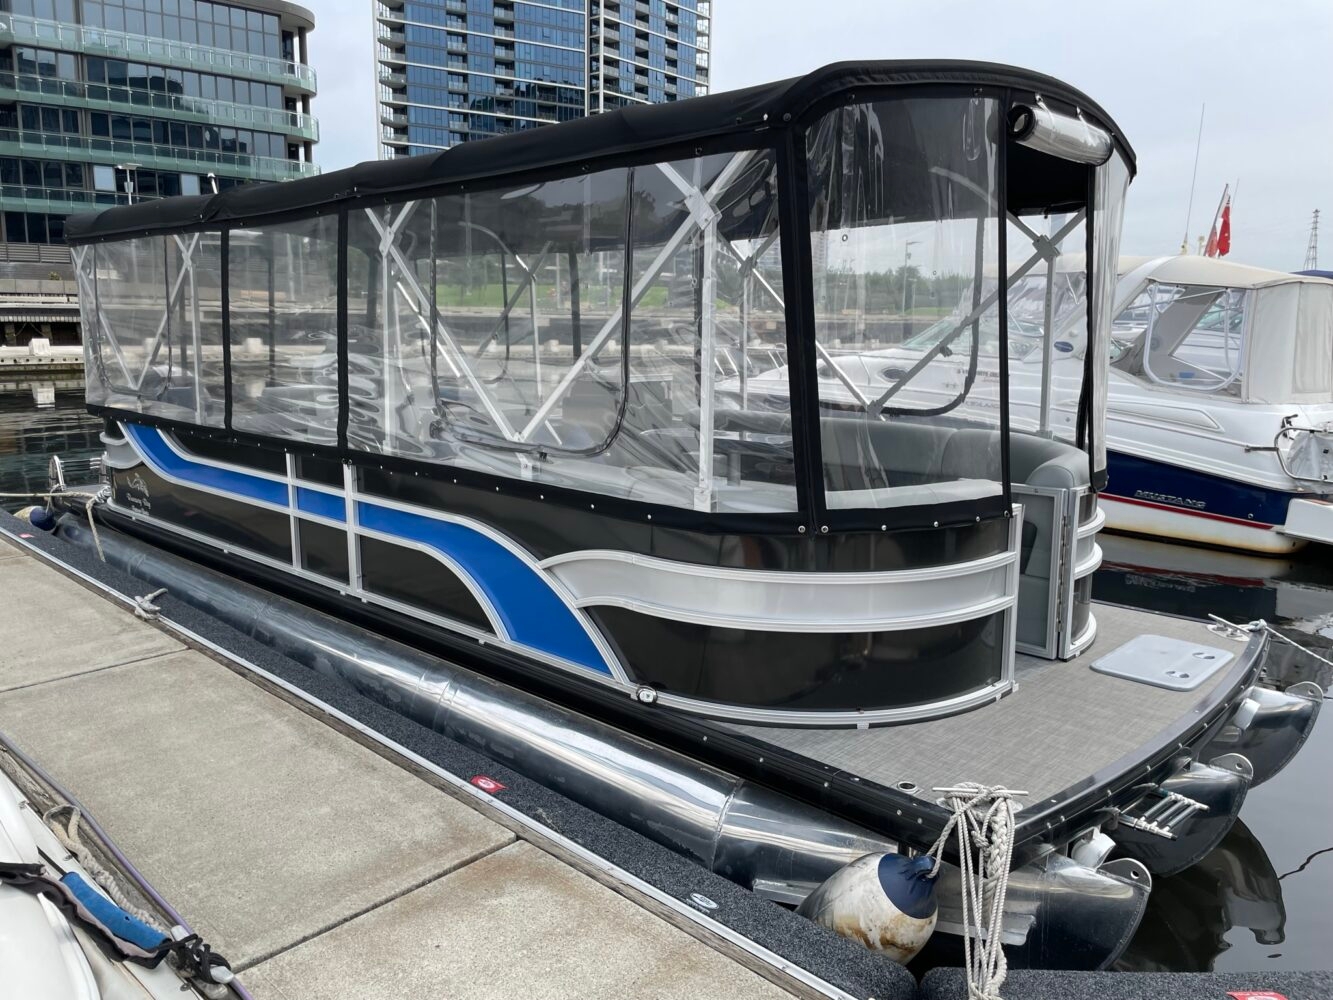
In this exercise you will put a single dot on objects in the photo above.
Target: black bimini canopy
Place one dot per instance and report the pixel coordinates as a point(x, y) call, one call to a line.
point(599, 140)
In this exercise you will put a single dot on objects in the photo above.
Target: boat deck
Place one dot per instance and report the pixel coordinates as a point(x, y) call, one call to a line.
point(318, 866)
point(1063, 724)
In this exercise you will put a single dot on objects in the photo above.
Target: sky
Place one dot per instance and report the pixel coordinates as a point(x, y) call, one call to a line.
point(1263, 71)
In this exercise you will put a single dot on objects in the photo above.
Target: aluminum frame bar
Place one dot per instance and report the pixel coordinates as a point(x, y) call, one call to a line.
point(195, 315)
point(1041, 242)
point(725, 177)
point(493, 411)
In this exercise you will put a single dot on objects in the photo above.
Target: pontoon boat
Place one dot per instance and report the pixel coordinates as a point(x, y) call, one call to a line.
point(478, 401)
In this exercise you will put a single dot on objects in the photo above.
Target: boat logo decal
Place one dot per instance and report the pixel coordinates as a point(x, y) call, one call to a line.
point(488, 785)
point(1173, 500)
point(1255, 995)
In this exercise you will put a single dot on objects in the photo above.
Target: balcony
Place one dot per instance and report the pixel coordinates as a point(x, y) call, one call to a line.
point(393, 119)
point(66, 93)
point(82, 149)
point(19, 29)
point(394, 79)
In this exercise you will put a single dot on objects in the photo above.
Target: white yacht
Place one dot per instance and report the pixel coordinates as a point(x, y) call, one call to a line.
point(1220, 416)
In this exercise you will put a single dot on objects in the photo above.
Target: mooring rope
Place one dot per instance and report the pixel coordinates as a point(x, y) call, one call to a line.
point(983, 817)
point(1258, 626)
point(70, 840)
point(144, 607)
point(92, 498)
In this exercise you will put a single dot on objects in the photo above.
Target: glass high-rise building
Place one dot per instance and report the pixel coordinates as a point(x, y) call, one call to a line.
point(453, 70)
point(104, 102)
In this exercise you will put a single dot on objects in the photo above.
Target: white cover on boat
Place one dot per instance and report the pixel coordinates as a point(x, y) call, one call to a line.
point(1291, 343)
point(1289, 338)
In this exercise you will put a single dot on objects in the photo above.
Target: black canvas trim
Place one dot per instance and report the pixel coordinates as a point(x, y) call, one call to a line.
point(614, 138)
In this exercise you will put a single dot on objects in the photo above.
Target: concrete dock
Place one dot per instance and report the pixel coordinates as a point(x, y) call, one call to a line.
point(319, 867)
point(330, 848)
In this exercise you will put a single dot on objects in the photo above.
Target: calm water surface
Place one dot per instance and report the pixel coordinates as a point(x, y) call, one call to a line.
point(29, 437)
point(1261, 900)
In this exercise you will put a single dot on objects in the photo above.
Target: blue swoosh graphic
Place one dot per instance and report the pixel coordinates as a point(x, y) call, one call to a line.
point(532, 613)
point(149, 443)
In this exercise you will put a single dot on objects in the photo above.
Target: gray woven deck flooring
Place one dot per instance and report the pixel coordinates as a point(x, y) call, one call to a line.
point(1064, 723)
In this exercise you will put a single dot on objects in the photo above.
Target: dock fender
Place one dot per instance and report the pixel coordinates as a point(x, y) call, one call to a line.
point(884, 901)
point(1177, 823)
point(1269, 727)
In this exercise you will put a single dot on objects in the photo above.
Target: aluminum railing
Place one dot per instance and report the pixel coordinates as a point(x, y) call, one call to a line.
point(123, 45)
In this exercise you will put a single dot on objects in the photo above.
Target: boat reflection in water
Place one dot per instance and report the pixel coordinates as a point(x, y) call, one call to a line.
point(1189, 915)
point(1291, 592)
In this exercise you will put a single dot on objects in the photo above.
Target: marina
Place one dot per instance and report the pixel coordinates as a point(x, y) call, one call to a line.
point(602, 554)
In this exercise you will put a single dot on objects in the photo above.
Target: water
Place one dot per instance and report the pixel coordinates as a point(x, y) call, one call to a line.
point(1259, 901)
point(29, 437)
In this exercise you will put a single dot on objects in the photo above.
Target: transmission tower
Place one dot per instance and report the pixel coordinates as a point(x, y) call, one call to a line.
point(1312, 251)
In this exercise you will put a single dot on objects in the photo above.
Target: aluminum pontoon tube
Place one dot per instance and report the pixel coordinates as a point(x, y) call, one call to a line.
point(742, 831)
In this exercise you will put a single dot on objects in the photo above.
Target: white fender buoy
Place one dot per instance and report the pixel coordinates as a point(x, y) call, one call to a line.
point(884, 901)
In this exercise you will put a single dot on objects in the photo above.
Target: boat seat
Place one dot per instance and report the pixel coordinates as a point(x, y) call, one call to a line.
point(861, 454)
point(1038, 461)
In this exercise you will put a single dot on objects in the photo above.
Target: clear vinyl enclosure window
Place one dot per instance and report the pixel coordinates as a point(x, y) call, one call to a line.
point(487, 330)
point(904, 239)
point(283, 308)
point(152, 324)
point(1190, 336)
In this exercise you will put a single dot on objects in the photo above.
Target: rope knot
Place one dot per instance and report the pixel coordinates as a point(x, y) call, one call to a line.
point(144, 607)
point(982, 816)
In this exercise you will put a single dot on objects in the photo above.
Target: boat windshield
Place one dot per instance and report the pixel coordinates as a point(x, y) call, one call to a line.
point(1187, 336)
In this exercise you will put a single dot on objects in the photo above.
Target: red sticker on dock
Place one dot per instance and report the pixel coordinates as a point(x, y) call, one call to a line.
point(1255, 995)
point(491, 786)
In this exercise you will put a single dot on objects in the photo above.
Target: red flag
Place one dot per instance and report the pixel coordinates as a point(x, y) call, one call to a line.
point(1219, 237)
point(1224, 233)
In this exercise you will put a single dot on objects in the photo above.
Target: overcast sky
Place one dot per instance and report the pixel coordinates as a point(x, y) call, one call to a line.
point(1263, 69)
